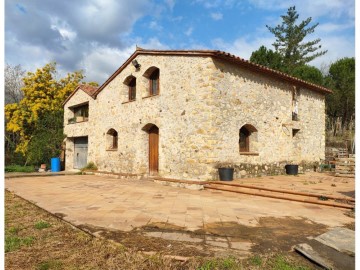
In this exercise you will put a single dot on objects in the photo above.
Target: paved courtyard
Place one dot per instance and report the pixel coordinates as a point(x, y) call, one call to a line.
point(123, 205)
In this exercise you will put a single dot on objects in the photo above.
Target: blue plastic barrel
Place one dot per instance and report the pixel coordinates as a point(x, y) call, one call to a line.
point(55, 164)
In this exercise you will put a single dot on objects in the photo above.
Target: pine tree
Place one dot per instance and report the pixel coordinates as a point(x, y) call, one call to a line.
point(290, 41)
point(267, 57)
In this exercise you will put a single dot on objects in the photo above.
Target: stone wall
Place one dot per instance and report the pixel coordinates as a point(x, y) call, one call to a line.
point(201, 107)
point(244, 97)
point(76, 129)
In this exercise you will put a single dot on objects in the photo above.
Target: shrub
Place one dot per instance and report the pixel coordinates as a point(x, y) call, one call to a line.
point(18, 168)
point(90, 166)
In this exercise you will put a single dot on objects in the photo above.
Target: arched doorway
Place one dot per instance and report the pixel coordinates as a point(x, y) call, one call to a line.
point(153, 132)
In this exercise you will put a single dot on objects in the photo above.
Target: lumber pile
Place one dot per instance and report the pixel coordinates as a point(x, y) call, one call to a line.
point(345, 167)
point(343, 153)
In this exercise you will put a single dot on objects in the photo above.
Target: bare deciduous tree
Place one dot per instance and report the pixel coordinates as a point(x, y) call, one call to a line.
point(13, 76)
point(13, 83)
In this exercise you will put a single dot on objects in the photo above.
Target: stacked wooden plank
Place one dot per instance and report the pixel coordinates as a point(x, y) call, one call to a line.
point(343, 153)
point(345, 167)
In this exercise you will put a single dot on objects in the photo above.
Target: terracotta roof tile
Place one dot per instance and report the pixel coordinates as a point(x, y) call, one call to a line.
point(88, 89)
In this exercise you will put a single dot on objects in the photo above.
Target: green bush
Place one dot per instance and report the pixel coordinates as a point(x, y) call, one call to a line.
point(90, 166)
point(18, 168)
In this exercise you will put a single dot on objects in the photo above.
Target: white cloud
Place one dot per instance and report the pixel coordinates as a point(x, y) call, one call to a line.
point(96, 35)
point(39, 56)
point(216, 16)
point(189, 31)
point(338, 47)
point(208, 3)
point(332, 27)
point(311, 8)
point(170, 4)
point(338, 15)
point(217, 3)
point(244, 46)
point(100, 63)
point(64, 29)
point(155, 26)
point(68, 32)
point(177, 19)
point(153, 43)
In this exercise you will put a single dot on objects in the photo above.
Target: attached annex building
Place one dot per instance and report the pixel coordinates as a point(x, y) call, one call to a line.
point(178, 114)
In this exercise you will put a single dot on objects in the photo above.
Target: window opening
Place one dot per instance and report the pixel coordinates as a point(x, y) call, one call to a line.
point(154, 82)
point(132, 89)
point(244, 135)
point(295, 104)
point(112, 139)
point(81, 113)
point(295, 132)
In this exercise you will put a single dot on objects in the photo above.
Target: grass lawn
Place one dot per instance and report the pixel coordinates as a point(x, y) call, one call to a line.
point(34, 239)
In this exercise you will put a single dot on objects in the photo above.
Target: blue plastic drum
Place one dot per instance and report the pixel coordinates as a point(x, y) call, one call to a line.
point(55, 164)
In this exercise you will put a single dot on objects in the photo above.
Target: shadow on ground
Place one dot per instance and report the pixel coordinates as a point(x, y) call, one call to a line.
point(271, 235)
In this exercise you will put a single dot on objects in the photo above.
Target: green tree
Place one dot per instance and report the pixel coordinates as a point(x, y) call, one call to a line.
point(274, 60)
point(341, 80)
point(267, 57)
point(46, 139)
point(309, 74)
point(290, 42)
point(43, 95)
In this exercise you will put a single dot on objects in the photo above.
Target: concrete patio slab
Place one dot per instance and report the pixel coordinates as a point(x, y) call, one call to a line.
point(341, 239)
point(125, 205)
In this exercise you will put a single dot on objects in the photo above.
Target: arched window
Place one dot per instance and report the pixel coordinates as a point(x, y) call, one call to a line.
point(130, 81)
point(153, 74)
point(246, 137)
point(112, 139)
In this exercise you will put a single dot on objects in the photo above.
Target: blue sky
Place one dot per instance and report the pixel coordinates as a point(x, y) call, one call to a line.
point(97, 36)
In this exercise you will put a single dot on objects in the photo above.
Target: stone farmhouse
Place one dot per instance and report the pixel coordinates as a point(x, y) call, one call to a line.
point(180, 113)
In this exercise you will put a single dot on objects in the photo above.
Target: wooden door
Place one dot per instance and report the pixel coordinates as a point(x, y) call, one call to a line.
point(80, 152)
point(154, 150)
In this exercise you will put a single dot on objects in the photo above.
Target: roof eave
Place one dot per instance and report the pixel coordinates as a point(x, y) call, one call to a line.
point(220, 55)
point(152, 52)
point(273, 73)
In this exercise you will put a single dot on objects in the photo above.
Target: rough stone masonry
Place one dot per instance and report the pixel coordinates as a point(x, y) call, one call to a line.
point(205, 99)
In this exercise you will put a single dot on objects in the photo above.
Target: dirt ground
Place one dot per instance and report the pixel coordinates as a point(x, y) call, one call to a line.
point(61, 246)
point(272, 234)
